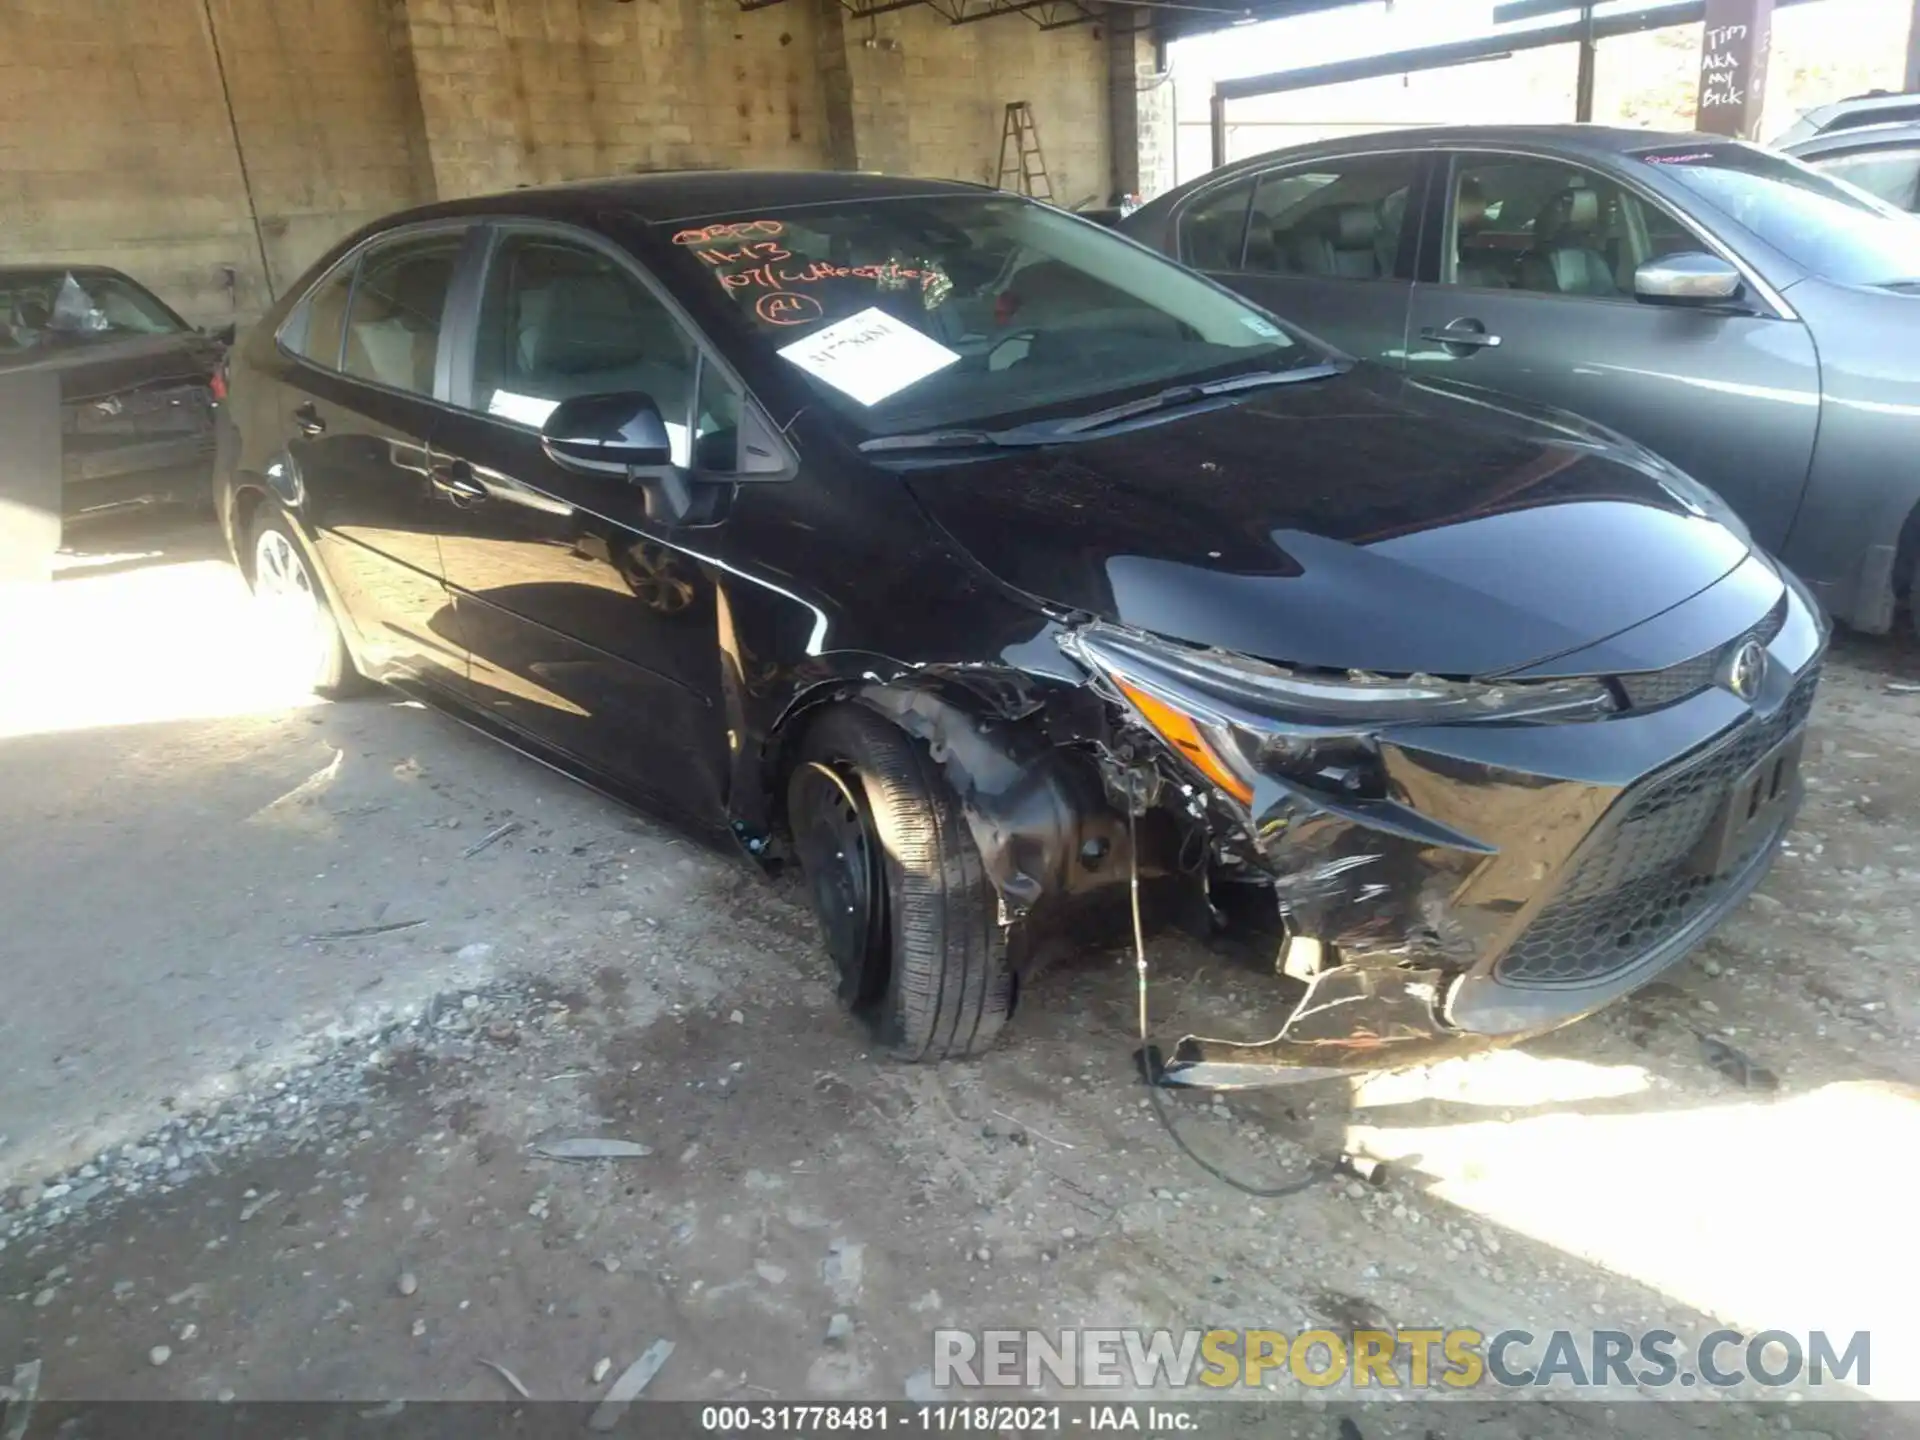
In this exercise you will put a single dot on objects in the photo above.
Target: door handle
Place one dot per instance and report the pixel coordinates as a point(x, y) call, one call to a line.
point(306, 419)
point(1470, 333)
point(455, 481)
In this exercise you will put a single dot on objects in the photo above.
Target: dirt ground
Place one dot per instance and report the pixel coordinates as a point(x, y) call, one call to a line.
point(262, 1147)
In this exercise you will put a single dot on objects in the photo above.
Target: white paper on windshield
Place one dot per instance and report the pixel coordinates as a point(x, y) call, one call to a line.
point(870, 355)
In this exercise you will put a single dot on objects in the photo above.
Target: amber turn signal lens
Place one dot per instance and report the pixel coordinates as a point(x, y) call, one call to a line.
point(1181, 733)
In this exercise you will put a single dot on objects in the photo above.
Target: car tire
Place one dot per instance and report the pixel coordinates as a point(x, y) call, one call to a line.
point(296, 610)
point(910, 918)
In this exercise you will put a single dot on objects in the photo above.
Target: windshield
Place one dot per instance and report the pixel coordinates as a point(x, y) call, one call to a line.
point(50, 307)
point(1820, 223)
point(912, 313)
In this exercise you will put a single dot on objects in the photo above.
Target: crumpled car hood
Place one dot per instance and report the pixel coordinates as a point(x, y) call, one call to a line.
point(1359, 522)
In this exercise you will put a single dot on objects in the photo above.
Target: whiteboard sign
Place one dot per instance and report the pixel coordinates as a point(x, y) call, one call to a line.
point(869, 356)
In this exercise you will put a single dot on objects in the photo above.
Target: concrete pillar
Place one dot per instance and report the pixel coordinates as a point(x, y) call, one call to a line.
point(1129, 65)
point(836, 81)
point(1733, 67)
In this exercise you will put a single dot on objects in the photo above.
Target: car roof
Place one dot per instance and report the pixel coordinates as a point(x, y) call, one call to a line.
point(666, 197)
point(1851, 114)
point(1856, 139)
point(1589, 141)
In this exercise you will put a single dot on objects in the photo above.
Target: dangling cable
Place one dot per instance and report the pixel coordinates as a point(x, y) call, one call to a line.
point(1317, 1170)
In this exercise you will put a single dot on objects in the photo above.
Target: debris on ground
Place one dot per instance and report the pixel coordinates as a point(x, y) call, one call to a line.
point(624, 1391)
point(589, 1147)
point(507, 1375)
point(1734, 1063)
point(492, 837)
point(20, 1397)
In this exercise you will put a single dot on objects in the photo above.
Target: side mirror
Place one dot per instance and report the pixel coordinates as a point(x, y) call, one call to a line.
point(608, 434)
point(1689, 278)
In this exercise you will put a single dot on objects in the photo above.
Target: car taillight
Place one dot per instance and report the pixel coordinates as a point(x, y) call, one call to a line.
point(218, 384)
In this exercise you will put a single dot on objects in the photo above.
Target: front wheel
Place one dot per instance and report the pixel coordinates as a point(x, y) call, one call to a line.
point(904, 902)
point(302, 635)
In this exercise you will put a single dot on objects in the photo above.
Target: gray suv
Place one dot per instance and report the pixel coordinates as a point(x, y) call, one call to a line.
point(1732, 310)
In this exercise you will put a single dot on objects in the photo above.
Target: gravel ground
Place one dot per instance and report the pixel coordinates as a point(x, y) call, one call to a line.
point(257, 1182)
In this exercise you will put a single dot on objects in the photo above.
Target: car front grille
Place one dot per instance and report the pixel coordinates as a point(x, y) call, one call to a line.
point(1654, 688)
point(1631, 888)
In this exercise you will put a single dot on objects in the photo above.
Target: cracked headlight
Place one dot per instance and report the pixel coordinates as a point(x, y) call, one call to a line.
point(1232, 716)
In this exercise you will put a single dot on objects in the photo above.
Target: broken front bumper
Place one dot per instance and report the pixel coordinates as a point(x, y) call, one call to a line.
point(1590, 857)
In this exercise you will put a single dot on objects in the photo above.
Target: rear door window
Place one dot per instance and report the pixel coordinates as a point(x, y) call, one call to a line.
point(1213, 230)
point(1333, 219)
point(394, 321)
point(316, 334)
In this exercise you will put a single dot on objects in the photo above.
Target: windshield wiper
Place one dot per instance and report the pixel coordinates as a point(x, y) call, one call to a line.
point(1048, 432)
point(934, 440)
point(1176, 395)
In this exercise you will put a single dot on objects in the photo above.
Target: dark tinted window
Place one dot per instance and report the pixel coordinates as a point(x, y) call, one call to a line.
point(393, 328)
point(562, 320)
point(1214, 228)
point(326, 319)
point(1334, 219)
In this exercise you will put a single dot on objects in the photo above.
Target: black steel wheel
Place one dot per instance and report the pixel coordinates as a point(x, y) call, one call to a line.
point(905, 905)
point(833, 836)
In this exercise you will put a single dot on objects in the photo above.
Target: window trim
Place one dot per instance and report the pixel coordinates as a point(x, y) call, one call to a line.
point(1769, 303)
point(1406, 255)
point(1200, 197)
point(498, 229)
point(297, 317)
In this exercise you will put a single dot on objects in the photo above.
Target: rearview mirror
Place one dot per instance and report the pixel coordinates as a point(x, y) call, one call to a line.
point(1689, 278)
point(608, 434)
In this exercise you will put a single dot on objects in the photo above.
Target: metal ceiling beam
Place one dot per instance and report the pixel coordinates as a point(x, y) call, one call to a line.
point(1460, 52)
point(1047, 14)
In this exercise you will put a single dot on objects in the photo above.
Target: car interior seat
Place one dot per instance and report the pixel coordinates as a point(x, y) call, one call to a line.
point(393, 334)
point(1565, 259)
point(1469, 216)
point(591, 333)
point(1338, 241)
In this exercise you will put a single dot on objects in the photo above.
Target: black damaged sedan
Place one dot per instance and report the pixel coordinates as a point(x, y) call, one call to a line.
point(983, 563)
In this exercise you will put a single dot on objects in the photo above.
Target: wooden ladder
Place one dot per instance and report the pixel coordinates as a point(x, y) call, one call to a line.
point(1020, 159)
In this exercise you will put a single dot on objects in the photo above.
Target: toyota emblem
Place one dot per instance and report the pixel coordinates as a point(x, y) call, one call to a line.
point(1747, 670)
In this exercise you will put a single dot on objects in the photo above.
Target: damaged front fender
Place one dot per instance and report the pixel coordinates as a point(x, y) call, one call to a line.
point(1036, 809)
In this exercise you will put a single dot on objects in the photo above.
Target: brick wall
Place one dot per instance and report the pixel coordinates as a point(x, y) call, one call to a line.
point(933, 97)
point(329, 124)
point(115, 148)
point(116, 145)
point(532, 91)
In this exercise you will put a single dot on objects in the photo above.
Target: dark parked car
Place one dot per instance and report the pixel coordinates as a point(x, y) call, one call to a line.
point(981, 559)
point(1883, 160)
point(1730, 309)
point(137, 384)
